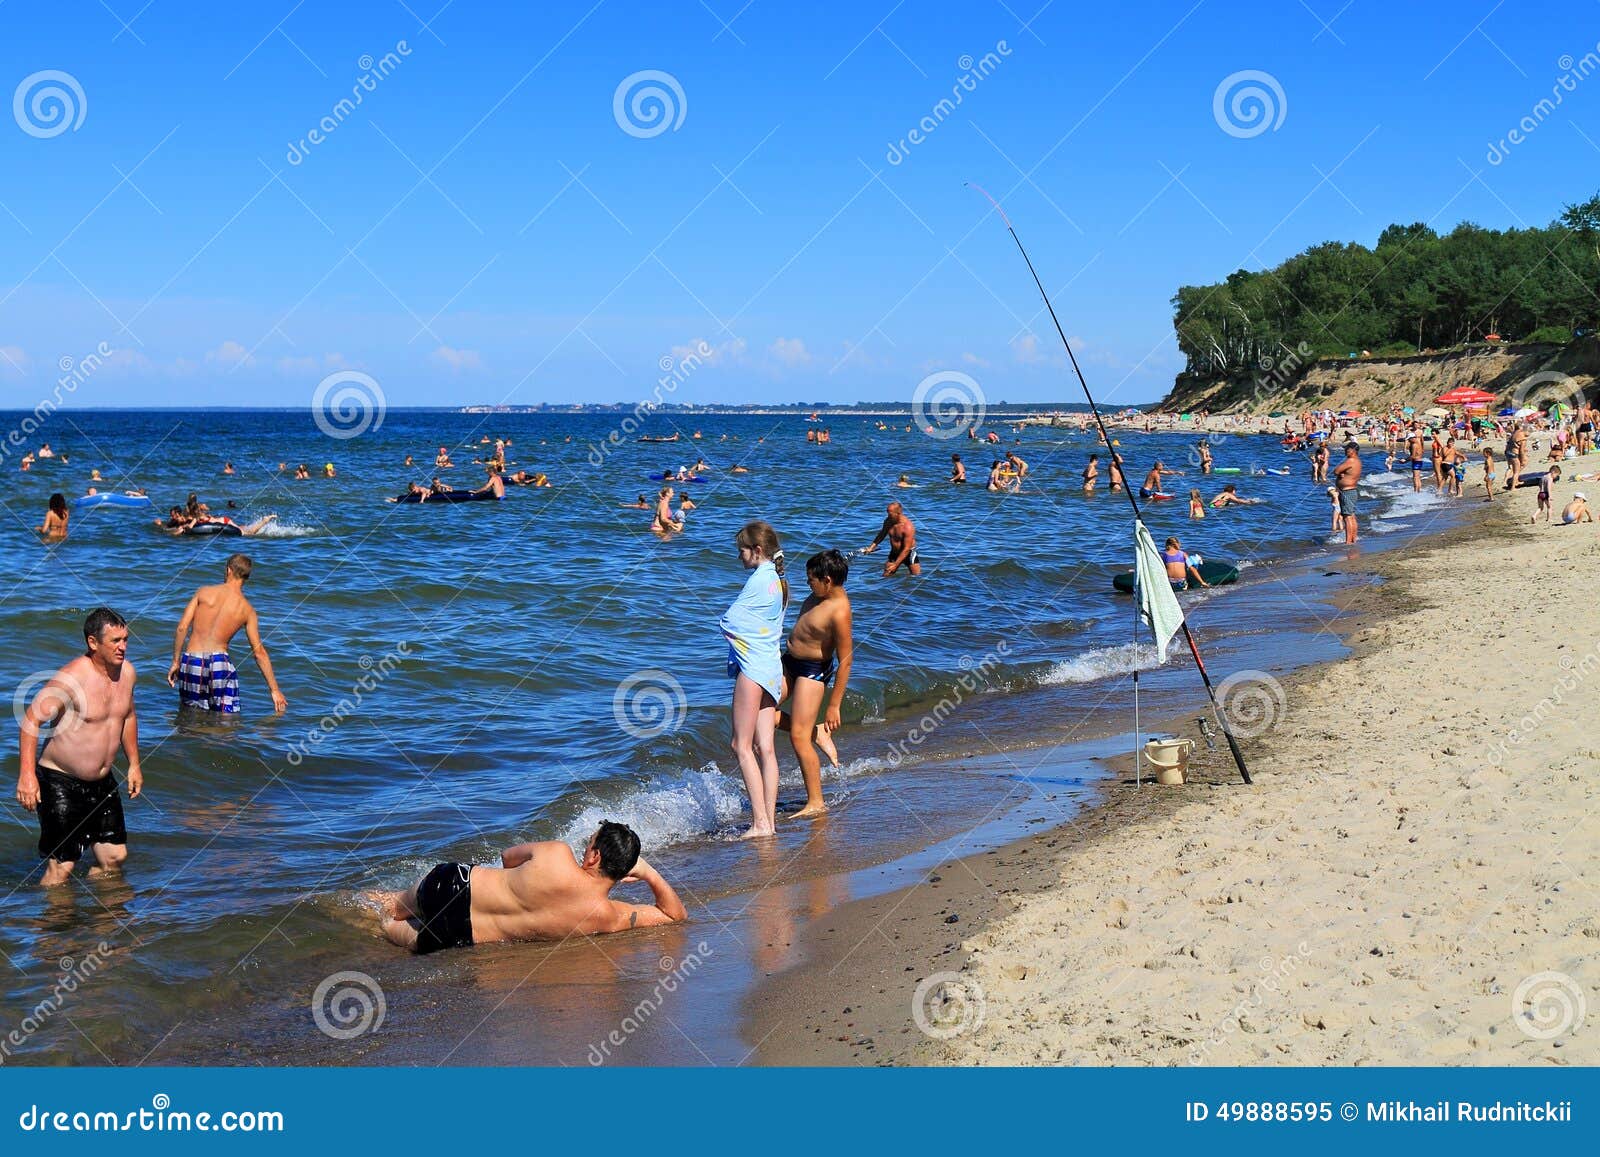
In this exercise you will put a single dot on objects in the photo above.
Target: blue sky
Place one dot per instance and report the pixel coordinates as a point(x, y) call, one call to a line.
point(482, 229)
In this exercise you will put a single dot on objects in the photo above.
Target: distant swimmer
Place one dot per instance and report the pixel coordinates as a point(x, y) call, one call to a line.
point(410, 461)
point(819, 648)
point(327, 470)
point(539, 893)
point(1197, 504)
point(1091, 473)
point(523, 478)
point(739, 470)
point(227, 468)
point(1000, 478)
point(94, 476)
point(441, 460)
point(992, 437)
point(902, 536)
point(1152, 480)
point(905, 482)
point(699, 466)
point(665, 522)
point(642, 503)
point(88, 707)
point(1229, 496)
point(301, 474)
point(495, 485)
point(415, 492)
point(958, 471)
point(55, 519)
point(181, 522)
point(1018, 466)
point(1205, 457)
point(201, 669)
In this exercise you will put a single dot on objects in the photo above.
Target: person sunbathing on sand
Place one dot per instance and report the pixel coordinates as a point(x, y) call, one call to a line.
point(539, 893)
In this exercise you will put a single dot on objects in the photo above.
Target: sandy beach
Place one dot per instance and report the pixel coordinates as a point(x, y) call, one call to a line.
point(1411, 879)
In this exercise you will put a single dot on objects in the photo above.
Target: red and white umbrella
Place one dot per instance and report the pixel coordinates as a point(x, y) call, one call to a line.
point(1464, 396)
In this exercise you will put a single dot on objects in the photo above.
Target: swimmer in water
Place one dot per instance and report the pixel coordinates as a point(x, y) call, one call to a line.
point(55, 519)
point(665, 523)
point(301, 474)
point(1091, 473)
point(958, 471)
point(902, 536)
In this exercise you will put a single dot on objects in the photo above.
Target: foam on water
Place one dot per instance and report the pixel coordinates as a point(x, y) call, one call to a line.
point(1102, 662)
point(278, 529)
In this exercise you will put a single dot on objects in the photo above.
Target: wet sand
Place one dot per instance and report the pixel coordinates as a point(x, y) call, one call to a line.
point(1410, 877)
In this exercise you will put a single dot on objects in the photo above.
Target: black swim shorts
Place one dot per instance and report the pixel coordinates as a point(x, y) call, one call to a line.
point(75, 814)
point(444, 908)
point(818, 669)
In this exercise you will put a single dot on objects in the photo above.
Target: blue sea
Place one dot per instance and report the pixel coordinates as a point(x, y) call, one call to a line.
point(465, 677)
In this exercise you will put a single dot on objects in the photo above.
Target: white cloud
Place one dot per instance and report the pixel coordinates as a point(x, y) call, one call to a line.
point(973, 359)
point(791, 351)
point(13, 360)
point(1026, 350)
point(230, 354)
point(727, 352)
point(458, 361)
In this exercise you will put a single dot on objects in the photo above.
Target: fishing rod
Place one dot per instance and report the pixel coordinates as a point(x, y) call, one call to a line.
point(1116, 464)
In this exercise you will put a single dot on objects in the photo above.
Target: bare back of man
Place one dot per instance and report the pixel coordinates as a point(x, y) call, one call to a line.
point(202, 669)
point(541, 893)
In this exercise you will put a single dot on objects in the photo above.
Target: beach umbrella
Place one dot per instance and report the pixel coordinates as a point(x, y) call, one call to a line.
point(1526, 412)
point(1463, 395)
point(1435, 412)
point(1508, 412)
point(1408, 409)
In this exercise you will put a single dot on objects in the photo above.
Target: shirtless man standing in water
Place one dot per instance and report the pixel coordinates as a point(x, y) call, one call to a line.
point(69, 783)
point(820, 648)
point(540, 893)
point(902, 536)
point(203, 673)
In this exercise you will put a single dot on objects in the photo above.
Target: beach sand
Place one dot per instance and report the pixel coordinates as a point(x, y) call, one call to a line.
point(1411, 880)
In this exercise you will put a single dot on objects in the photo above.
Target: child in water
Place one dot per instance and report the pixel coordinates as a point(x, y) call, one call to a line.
point(819, 648)
point(753, 627)
point(1197, 505)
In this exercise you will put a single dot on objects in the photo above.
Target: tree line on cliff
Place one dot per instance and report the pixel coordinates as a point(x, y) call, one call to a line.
point(1415, 291)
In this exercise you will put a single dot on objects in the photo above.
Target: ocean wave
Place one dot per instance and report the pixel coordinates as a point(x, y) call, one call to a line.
point(1101, 663)
point(277, 529)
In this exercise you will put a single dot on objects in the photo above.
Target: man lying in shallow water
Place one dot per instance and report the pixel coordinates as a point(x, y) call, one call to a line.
point(540, 894)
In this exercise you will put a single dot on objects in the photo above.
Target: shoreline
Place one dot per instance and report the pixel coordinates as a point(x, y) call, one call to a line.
point(1149, 931)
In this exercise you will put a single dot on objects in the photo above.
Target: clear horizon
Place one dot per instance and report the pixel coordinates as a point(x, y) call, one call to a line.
point(483, 207)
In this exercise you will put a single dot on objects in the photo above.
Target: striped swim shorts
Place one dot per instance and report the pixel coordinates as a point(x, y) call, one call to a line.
point(208, 682)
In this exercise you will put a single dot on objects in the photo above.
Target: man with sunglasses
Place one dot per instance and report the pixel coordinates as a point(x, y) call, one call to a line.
point(540, 893)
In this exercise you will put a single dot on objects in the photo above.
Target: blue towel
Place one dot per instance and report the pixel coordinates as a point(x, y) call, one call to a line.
point(753, 627)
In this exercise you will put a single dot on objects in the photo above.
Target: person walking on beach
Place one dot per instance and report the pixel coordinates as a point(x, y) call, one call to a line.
point(1488, 473)
point(539, 893)
point(1516, 455)
point(88, 705)
point(820, 647)
point(205, 676)
point(753, 627)
point(902, 536)
point(1345, 477)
